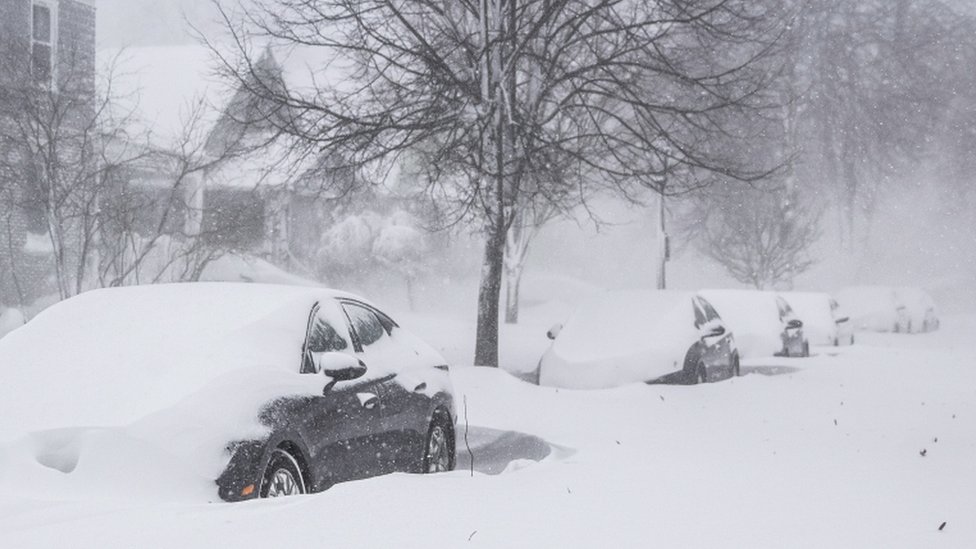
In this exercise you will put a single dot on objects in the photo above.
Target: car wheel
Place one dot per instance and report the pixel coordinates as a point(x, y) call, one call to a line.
point(736, 372)
point(282, 476)
point(806, 348)
point(438, 449)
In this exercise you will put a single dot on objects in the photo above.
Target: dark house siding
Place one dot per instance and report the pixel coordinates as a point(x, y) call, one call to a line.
point(25, 274)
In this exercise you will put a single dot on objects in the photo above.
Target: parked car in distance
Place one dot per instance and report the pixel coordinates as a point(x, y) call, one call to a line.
point(845, 326)
point(822, 320)
point(639, 335)
point(762, 327)
point(794, 338)
point(920, 306)
point(264, 390)
point(875, 308)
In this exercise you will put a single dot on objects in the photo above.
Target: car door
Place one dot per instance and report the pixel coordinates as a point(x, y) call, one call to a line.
point(341, 424)
point(398, 405)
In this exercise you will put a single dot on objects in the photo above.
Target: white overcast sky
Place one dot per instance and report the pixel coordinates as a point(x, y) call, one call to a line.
point(123, 23)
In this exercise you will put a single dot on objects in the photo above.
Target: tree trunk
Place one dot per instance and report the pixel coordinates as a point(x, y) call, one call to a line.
point(411, 305)
point(513, 280)
point(486, 344)
point(662, 245)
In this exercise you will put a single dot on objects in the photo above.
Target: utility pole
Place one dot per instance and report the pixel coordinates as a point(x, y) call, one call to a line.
point(663, 243)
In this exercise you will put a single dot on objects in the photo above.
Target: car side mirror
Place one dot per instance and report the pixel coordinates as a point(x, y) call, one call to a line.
point(712, 328)
point(843, 319)
point(794, 324)
point(339, 366)
point(553, 332)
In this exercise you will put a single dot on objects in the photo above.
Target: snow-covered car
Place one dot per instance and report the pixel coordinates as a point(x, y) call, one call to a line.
point(823, 323)
point(264, 390)
point(639, 335)
point(875, 308)
point(795, 342)
point(762, 325)
point(845, 326)
point(920, 307)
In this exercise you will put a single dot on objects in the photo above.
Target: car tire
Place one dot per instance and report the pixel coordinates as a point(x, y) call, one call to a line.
point(699, 374)
point(806, 348)
point(736, 370)
point(282, 477)
point(438, 446)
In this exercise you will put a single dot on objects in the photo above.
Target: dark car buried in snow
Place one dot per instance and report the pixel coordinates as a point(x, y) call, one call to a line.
point(267, 391)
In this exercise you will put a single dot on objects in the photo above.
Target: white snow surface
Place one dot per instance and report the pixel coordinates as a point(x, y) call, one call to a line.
point(621, 337)
point(753, 318)
point(818, 452)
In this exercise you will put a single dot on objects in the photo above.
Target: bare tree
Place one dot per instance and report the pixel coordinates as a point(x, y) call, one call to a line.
point(55, 130)
point(872, 80)
point(120, 205)
point(490, 93)
point(761, 236)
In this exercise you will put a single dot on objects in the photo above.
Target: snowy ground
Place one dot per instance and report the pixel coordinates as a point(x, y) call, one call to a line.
point(820, 452)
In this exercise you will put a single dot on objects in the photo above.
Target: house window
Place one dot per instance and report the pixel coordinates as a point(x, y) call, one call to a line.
point(42, 42)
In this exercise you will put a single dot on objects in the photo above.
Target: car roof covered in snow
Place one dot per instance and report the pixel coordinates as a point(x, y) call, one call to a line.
point(621, 321)
point(110, 356)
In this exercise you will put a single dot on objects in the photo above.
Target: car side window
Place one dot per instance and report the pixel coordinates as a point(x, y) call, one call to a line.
point(324, 335)
point(784, 308)
point(365, 324)
point(710, 312)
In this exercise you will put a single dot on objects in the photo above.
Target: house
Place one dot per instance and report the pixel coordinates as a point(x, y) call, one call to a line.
point(253, 195)
point(47, 50)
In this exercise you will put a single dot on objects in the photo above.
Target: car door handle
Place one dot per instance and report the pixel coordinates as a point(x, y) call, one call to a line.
point(368, 400)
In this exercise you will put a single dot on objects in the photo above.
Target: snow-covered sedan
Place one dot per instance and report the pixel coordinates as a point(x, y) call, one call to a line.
point(823, 323)
point(920, 307)
point(875, 308)
point(763, 324)
point(639, 335)
point(793, 335)
point(264, 390)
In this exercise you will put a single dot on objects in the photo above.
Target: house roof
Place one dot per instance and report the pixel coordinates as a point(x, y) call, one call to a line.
point(171, 91)
point(177, 95)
